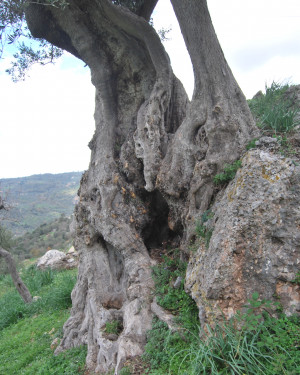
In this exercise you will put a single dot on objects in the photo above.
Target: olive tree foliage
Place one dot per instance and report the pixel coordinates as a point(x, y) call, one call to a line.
point(27, 50)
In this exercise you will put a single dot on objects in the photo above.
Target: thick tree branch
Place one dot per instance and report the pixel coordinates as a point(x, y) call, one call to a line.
point(19, 284)
point(147, 8)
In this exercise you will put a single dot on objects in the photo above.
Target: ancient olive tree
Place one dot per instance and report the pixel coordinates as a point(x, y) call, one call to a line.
point(154, 155)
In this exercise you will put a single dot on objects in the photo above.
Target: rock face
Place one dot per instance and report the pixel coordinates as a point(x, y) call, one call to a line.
point(255, 242)
point(58, 260)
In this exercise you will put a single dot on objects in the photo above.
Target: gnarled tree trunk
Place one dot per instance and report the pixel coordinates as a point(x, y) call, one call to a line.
point(153, 157)
point(19, 284)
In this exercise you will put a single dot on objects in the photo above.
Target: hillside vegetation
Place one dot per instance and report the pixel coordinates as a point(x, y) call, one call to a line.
point(53, 235)
point(38, 199)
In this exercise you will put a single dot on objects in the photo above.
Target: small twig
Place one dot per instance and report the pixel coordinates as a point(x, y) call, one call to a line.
point(52, 3)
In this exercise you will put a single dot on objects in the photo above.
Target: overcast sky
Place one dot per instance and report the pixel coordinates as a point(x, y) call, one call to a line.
point(47, 121)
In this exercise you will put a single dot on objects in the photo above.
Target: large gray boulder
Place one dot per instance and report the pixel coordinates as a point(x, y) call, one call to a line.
point(255, 244)
point(58, 260)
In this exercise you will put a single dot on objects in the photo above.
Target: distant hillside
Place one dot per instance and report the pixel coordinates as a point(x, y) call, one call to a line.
point(53, 235)
point(39, 199)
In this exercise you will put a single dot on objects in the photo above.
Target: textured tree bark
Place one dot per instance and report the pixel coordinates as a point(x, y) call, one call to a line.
point(218, 125)
point(152, 162)
point(21, 287)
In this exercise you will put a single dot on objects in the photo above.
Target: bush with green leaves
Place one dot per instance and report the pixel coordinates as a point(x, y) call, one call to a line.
point(113, 327)
point(6, 238)
point(251, 144)
point(228, 173)
point(274, 111)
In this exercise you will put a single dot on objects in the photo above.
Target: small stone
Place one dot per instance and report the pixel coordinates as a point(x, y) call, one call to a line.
point(177, 282)
point(54, 343)
point(58, 260)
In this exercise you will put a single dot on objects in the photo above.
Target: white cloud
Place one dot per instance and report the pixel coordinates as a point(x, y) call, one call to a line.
point(46, 121)
point(260, 39)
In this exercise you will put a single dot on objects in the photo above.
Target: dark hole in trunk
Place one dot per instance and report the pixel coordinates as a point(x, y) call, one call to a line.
point(157, 232)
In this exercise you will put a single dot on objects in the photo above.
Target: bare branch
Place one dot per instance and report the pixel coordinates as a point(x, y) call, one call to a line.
point(3, 204)
point(19, 284)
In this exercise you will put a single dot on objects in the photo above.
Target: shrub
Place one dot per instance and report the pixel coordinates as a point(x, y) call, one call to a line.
point(173, 299)
point(251, 144)
point(228, 174)
point(6, 238)
point(113, 327)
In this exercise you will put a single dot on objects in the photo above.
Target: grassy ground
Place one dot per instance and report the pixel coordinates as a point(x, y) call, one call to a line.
point(27, 331)
point(266, 343)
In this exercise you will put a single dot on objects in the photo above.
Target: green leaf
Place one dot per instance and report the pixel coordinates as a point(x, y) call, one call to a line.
point(255, 296)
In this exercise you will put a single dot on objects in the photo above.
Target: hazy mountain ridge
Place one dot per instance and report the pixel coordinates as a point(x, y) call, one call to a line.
point(39, 199)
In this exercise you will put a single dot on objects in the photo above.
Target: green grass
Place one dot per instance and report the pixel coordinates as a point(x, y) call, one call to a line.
point(54, 288)
point(125, 371)
point(273, 110)
point(162, 345)
point(202, 230)
point(254, 342)
point(174, 299)
point(27, 331)
point(25, 347)
point(297, 279)
point(251, 144)
point(113, 327)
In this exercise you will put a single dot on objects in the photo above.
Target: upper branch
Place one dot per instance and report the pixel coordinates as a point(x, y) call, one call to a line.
point(147, 8)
